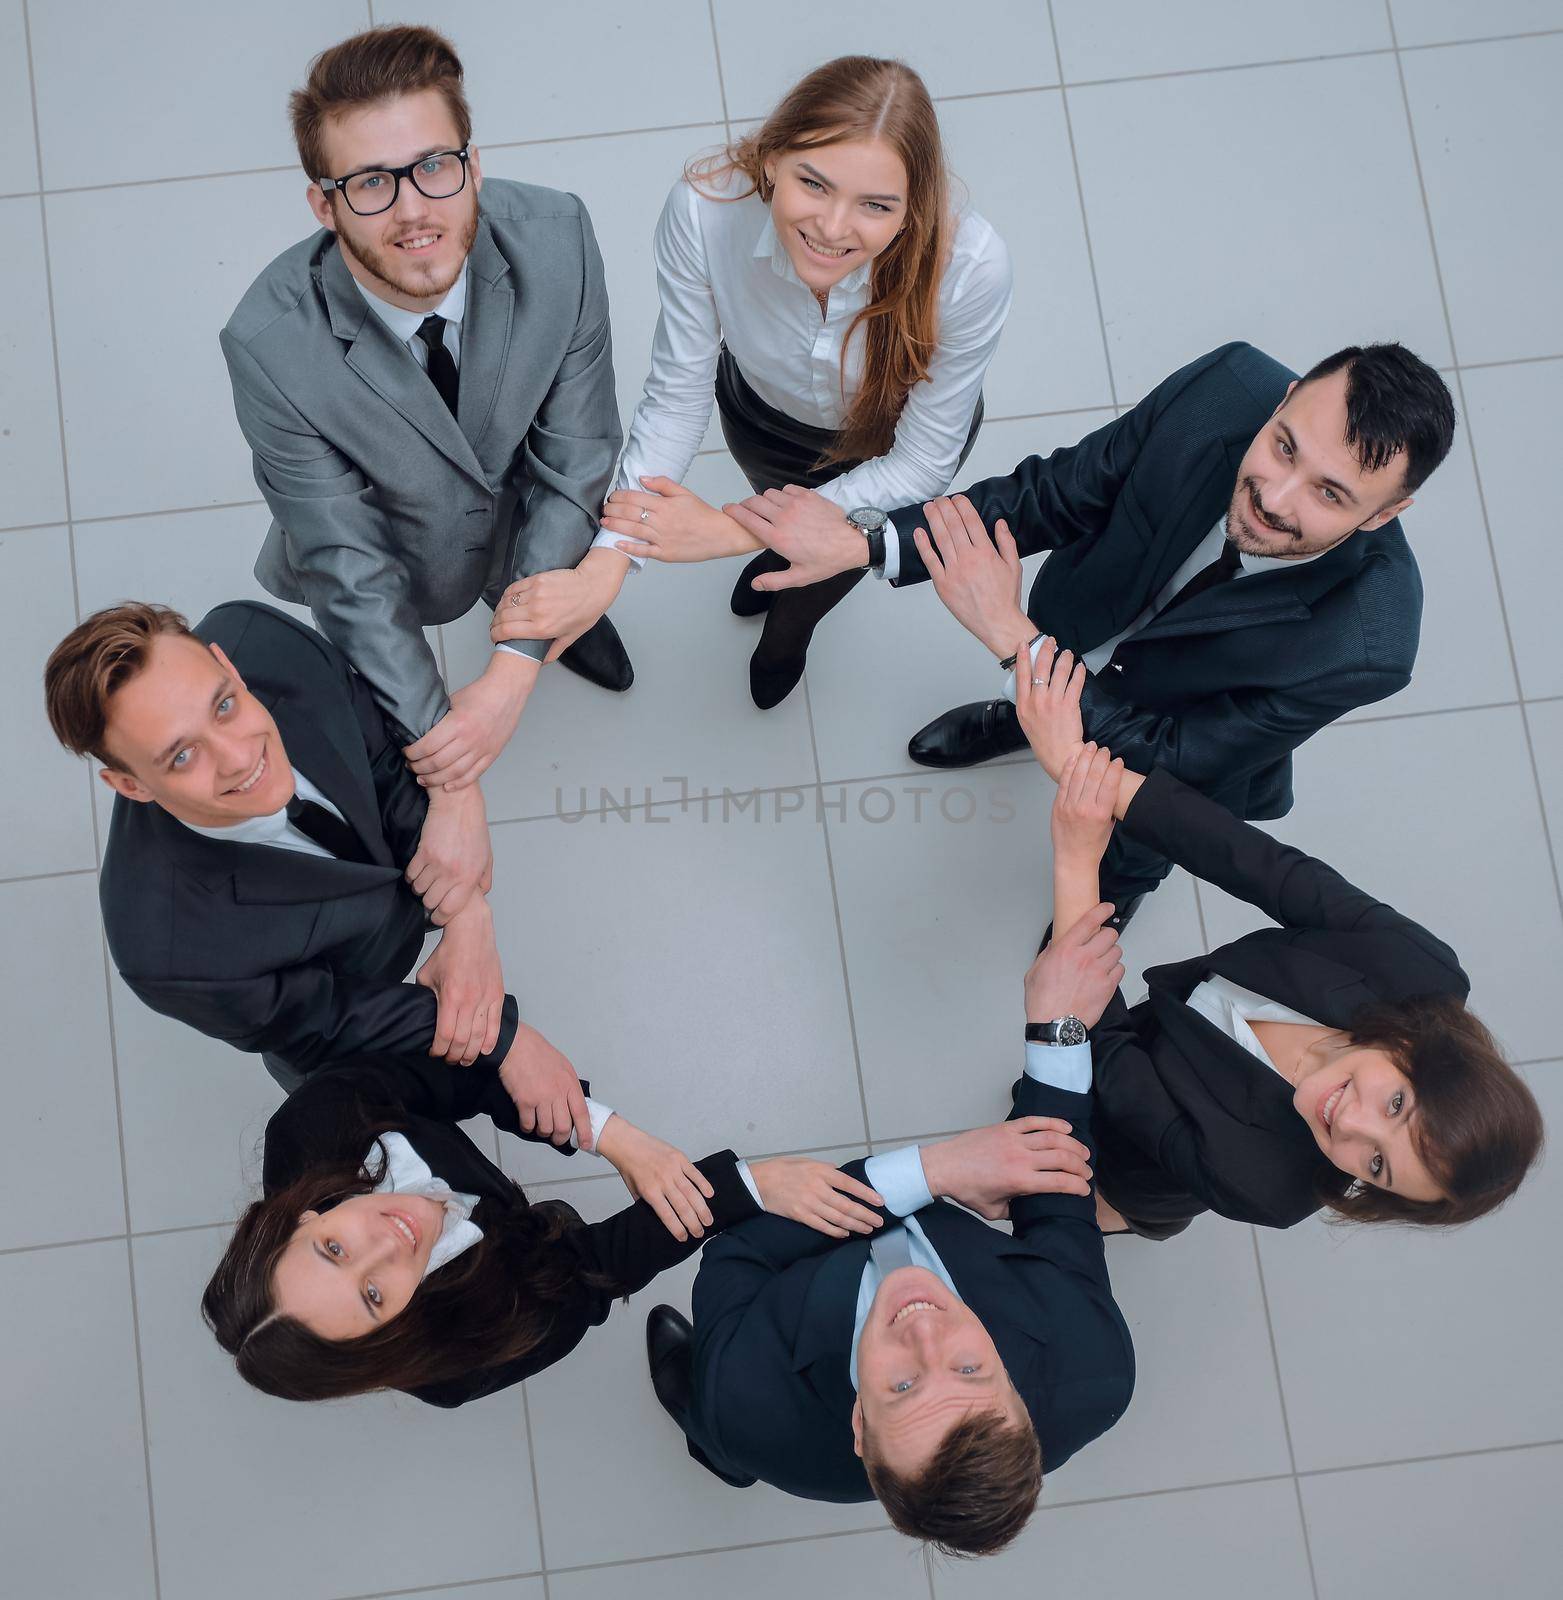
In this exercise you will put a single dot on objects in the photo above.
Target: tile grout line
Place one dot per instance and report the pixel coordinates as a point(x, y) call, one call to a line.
point(1085, 225)
point(92, 812)
point(537, 1498)
point(721, 81)
point(841, 939)
point(1476, 466)
point(1286, 1421)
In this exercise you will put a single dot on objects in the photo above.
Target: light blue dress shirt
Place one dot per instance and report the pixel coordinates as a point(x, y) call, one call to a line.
point(898, 1176)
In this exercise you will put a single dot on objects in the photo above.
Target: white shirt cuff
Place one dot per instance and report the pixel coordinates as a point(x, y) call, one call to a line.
point(599, 1114)
point(1009, 677)
point(750, 1184)
point(1061, 1066)
point(898, 1176)
point(892, 567)
point(610, 541)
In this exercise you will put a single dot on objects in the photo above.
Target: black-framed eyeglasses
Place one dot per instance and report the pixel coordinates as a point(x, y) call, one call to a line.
point(436, 177)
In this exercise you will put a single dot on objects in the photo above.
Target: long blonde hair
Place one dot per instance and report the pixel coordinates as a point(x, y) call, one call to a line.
point(864, 97)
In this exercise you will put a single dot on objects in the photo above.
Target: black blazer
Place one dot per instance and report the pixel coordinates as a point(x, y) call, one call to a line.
point(1188, 1120)
point(774, 1307)
point(272, 949)
point(425, 1099)
point(1221, 691)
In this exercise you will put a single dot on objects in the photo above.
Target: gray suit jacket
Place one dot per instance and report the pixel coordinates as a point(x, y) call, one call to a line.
point(389, 513)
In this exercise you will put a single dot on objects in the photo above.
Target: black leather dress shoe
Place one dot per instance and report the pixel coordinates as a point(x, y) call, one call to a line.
point(670, 1354)
point(967, 735)
point(747, 602)
point(599, 656)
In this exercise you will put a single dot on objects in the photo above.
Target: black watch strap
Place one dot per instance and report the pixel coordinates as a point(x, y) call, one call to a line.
point(1060, 1031)
point(876, 548)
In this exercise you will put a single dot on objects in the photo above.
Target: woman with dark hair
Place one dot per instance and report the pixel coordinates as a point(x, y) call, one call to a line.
point(1327, 1062)
point(818, 282)
point(388, 1252)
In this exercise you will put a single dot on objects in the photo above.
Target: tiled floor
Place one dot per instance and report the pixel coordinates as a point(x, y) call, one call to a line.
point(1319, 1414)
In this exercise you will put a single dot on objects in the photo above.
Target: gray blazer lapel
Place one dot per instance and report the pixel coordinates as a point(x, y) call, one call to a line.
point(485, 334)
point(390, 369)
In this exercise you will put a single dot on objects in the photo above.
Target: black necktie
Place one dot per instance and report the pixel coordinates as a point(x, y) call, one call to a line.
point(442, 368)
point(1219, 570)
point(328, 831)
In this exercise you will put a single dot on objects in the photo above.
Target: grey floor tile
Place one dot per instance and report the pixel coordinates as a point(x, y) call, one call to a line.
point(1483, 1525)
point(16, 102)
point(1000, 44)
point(1370, 1322)
point(1486, 121)
point(149, 418)
point(1212, 229)
point(876, 1566)
point(62, 1076)
point(613, 1474)
point(192, 94)
point(1440, 21)
point(1206, 1408)
point(590, 68)
point(30, 464)
point(1128, 40)
point(1203, 1544)
point(493, 1589)
point(73, 1493)
point(1050, 356)
point(890, 660)
point(624, 181)
point(1453, 841)
point(1546, 737)
point(46, 819)
point(687, 717)
point(220, 1449)
point(689, 969)
point(1464, 656)
point(1506, 413)
point(944, 886)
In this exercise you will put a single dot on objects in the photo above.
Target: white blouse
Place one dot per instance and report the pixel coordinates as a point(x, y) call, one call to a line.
point(723, 275)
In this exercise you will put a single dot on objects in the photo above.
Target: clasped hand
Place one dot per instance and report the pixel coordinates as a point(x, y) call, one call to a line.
point(976, 577)
point(988, 1167)
point(559, 605)
point(464, 973)
point(1077, 972)
point(667, 522)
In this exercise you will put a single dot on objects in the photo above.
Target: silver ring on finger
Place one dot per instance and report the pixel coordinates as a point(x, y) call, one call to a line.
point(645, 515)
point(1039, 683)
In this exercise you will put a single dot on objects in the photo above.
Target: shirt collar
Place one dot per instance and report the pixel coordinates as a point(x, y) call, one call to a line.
point(769, 244)
point(405, 324)
point(261, 830)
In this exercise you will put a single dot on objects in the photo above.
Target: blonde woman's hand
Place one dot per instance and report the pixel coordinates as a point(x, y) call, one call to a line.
point(667, 522)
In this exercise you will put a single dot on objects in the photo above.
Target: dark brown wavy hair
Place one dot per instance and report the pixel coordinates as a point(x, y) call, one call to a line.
point(1474, 1122)
point(494, 1303)
point(851, 98)
point(974, 1494)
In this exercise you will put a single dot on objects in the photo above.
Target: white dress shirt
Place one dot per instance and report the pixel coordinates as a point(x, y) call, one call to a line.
point(1206, 551)
point(1231, 1008)
point(899, 1178)
point(274, 828)
point(724, 276)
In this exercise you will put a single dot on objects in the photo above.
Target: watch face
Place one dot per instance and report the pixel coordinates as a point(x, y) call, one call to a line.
point(869, 519)
point(1071, 1031)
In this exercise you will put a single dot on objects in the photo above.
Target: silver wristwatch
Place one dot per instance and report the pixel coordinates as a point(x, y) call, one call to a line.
point(870, 522)
point(1060, 1031)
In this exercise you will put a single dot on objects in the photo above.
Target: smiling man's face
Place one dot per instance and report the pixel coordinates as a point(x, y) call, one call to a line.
point(412, 254)
point(925, 1363)
point(187, 734)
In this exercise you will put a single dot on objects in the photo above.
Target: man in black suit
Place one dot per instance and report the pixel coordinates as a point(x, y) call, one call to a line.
point(255, 880)
point(1226, 560)
point(939, 1366)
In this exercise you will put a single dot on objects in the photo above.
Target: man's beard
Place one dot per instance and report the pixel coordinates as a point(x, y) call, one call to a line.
point(413, 278)
point(1247, 510)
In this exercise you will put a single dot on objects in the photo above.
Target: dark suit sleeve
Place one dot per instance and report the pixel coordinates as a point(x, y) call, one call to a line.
point(309, 1014)
point(1294, 889)
point(1226, 737)
point(573, 442)
point(403, 802)
point(1066, 497)
point(339, 545)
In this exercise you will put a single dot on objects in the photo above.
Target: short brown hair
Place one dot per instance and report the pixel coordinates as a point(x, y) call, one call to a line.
point(1474, 1121)
point(92, 661)
point(975, 1494)
point(372, 66)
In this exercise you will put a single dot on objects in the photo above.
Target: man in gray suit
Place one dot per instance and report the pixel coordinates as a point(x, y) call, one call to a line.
point(427, 385)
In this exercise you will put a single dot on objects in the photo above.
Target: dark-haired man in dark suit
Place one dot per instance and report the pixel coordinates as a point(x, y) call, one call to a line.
point(255, 883)
point(1226, 560)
